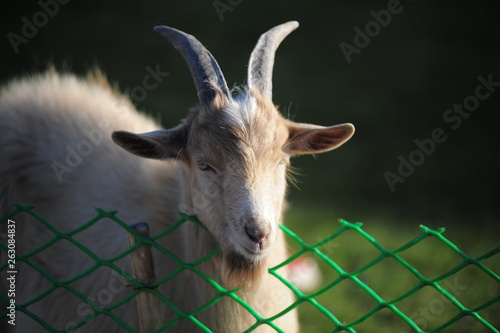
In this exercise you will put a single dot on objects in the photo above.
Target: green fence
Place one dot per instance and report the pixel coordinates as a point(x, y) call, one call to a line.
point(400, 313)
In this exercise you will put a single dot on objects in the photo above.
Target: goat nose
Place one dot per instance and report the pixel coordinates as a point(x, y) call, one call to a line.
point(256, 235)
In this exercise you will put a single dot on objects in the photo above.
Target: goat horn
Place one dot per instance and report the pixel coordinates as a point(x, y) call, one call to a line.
point(260, 68)
point(203, 66)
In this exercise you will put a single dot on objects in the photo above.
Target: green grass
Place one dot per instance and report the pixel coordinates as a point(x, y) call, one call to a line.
point(431, 257)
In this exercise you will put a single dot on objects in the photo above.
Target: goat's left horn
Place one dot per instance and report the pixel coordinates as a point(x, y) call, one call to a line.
point(260, 68)
point(203, 66)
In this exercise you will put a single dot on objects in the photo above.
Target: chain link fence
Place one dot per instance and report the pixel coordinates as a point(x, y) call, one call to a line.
point(403, 312)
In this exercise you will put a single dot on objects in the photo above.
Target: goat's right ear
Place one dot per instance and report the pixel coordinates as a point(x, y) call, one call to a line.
point(161, 145)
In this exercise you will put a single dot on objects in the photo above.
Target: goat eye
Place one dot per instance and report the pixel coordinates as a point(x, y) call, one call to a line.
point(204, 166)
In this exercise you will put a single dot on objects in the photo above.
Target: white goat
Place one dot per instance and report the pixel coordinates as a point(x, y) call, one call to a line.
point(226, 163)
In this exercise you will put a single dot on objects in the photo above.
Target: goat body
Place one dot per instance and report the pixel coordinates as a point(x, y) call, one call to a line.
point(226, 163)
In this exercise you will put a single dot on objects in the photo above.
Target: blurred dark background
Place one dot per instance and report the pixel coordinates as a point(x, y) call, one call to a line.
point(395, 90)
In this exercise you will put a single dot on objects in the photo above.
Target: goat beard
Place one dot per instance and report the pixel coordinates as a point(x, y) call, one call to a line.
point(240, 272)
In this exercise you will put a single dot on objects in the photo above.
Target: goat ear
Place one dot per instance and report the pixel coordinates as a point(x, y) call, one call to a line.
point(162, 144)
point(311, 139)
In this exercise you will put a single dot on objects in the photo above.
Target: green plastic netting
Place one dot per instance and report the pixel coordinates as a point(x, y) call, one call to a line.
point(482, 316)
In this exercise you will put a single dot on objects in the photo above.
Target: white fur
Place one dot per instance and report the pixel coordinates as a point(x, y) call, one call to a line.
point(241, 109)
